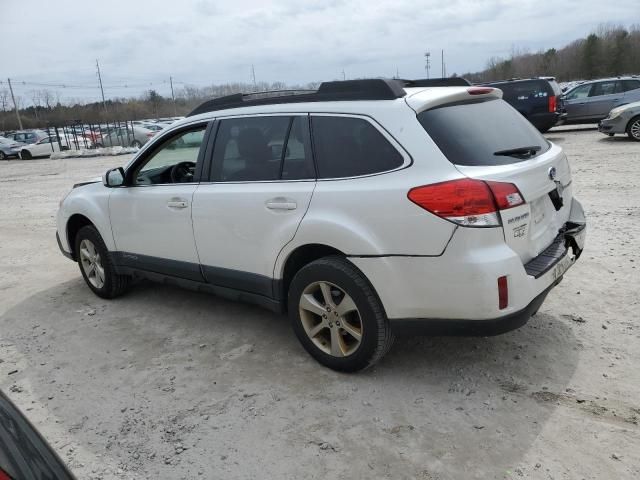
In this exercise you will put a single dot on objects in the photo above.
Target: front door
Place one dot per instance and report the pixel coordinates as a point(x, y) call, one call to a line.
point(151, 214)
point(262, 181)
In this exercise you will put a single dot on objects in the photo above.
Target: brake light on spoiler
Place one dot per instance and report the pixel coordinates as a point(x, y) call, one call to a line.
point(467, 202)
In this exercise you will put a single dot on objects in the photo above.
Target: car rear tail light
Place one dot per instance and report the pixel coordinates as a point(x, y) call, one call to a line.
point(4, 475)
point(479, 90)
point(506, 195)
point(503, 293)
point(467, 202)
point(150, 134)
point(553, 103)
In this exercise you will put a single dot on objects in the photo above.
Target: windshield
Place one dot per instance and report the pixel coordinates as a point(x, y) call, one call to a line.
point(483, 133)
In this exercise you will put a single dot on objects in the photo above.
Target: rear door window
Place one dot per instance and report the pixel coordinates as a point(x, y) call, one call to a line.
point(350, 147)
point(267, 148)
point(472, 133)
point(603, 88)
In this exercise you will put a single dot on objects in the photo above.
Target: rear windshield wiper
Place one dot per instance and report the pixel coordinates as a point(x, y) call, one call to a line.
point(519, 151)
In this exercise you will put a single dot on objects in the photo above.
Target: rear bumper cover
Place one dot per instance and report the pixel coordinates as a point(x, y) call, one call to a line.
point(470, 328)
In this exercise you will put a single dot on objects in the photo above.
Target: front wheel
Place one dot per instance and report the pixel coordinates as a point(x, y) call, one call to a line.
point(337, 316)
point(2, 155)
point(633, 129)
point(25, 155)
point(96, 266)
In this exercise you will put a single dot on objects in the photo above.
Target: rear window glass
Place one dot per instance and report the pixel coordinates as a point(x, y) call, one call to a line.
point(349, 147)
point(527, 90)
point(471, 133)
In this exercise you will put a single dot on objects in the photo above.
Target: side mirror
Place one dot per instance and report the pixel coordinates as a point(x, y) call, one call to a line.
point(113, 177)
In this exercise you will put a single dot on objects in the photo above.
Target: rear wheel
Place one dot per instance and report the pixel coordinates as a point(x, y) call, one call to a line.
point(136, 144)
point(96, 266)
point(337, 315)
point(633, 129)
point(25, 155)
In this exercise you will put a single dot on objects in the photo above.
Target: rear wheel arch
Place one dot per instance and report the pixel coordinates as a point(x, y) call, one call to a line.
point(297, 259)
point(74, 224)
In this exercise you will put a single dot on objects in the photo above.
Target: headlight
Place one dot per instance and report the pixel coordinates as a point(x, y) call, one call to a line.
point(615, 113)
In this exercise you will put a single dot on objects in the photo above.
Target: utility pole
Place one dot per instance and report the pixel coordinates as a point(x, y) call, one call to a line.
point(15, 105)
point(427, 66)
point(253, 76)
point(104, 104)
point(344, 75)
point(173, 97)
point(442, 64)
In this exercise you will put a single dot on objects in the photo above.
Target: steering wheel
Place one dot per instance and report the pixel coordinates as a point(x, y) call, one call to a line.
point(182, 172)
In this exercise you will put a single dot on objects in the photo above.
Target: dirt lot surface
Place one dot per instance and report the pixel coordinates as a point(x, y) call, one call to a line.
point(165, 383)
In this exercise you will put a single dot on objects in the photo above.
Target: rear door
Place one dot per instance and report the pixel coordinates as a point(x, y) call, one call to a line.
point(492, 129)
point(603, 97)
point(261, 181)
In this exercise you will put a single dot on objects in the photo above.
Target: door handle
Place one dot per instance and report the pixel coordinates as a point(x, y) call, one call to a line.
point(177, 203)
point(281, 203)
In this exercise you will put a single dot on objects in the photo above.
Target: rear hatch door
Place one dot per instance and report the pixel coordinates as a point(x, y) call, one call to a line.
point(490, 140)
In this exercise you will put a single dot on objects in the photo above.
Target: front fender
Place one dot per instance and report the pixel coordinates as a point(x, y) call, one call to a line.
point(92, 202)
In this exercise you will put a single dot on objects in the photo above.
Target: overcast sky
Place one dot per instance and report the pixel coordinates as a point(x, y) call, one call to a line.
point(141, 43)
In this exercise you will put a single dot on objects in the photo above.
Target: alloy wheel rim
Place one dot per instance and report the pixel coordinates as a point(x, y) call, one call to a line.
point(635, 129)
point(331, 319)
point(91, 263)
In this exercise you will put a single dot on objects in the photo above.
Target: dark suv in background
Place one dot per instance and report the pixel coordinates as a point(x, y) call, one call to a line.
point(537, 99)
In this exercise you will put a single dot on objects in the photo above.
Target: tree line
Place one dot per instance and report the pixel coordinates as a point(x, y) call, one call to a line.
point(609, 51)
point(47, 110)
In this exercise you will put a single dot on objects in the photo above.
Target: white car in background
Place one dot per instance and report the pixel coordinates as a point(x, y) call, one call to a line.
point(357, 209)
point(44, 147)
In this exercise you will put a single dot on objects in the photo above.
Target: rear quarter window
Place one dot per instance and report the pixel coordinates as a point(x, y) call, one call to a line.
point(350, 147)
point(471, 133)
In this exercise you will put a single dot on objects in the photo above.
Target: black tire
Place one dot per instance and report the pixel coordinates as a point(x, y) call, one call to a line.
point(634, 124)
point(2, 155)
point(114, 284)
point(25, 155)
point(377, 336)
point(136, 144)
point(544, 129)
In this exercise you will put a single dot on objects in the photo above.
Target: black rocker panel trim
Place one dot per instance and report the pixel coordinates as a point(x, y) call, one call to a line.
point(222, 277)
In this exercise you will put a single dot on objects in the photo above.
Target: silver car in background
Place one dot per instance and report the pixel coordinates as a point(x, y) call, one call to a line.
point(623, 119)
point(126, 137)
point(591, 101)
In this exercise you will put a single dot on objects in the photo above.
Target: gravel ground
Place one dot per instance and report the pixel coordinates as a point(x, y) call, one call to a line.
point(165, 383)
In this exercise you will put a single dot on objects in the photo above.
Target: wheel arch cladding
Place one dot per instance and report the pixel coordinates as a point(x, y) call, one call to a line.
point(298, 258)
point(74, 224)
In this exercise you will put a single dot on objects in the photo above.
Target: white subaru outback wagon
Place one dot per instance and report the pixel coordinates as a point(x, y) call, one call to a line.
point(362, 209)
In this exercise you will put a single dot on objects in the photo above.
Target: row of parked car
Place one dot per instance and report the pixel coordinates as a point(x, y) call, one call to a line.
point(37, 143)
point(613, 103)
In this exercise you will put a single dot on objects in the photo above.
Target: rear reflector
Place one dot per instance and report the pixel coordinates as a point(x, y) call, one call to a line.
point(553, 103)
point(467, 202)
point(503, 293)
point(479, 90)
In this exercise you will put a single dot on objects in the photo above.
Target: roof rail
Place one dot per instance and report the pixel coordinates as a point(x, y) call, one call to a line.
point(346, 90)
point(437, 82)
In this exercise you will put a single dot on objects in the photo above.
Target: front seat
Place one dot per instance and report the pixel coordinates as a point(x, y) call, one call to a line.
point(254, 150)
